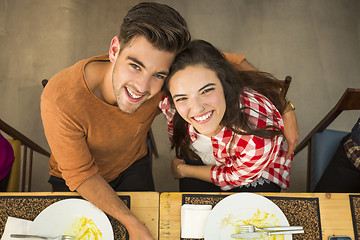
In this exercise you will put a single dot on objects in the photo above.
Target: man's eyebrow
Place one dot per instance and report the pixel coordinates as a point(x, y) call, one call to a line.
point(143, 66)
point(136, 61)
point(207, 85)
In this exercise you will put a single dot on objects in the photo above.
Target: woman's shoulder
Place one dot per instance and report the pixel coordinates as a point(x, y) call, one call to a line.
point(252, 99)
point(260, 109)
point(165, 103)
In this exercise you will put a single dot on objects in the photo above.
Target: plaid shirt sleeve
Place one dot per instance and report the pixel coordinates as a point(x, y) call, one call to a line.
point(249, 157)
point(169, 112)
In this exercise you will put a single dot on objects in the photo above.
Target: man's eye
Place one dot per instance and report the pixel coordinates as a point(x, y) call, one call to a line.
point(135, 66)
point(158, 76)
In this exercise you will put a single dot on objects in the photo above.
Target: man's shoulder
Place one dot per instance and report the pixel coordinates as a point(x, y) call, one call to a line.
point(70, 75)
point(68, 84)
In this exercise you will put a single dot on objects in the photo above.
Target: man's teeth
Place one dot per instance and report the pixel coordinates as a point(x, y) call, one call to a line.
point(204, 117)
point(132, 94)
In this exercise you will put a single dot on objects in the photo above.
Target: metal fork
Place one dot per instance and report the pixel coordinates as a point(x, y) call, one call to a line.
point(61, 237)
point(261, 234)
point(252, 228)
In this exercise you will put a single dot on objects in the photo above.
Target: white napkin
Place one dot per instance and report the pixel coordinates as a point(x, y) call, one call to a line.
point(15, 225)
point(193, 219)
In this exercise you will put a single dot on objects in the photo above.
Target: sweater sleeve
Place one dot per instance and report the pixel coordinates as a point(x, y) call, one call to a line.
point(234, 59)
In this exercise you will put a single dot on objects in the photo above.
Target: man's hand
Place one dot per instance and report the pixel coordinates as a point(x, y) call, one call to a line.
point(175, 167)
point(291, 131)
point(138, 231)
point(97, 191)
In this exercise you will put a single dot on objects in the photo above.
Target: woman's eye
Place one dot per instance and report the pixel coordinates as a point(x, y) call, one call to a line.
point(135, 66)
point(180, 99)
point(208, 90)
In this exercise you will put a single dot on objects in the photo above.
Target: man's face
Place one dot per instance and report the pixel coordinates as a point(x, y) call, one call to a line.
point(139, 73)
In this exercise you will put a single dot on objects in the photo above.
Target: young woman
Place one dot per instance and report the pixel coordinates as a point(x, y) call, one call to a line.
point(227, 135)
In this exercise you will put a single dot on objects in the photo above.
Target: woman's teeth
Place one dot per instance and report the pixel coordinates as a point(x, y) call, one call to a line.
point(133, 94)
point(204, 117)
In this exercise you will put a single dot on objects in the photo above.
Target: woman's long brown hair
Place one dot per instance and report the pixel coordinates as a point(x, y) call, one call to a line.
point(233, 81)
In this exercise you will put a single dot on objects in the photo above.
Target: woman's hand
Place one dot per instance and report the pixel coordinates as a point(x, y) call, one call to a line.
point(175, 167)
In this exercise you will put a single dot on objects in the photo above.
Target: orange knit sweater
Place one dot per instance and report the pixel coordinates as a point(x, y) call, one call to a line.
point(86, 135)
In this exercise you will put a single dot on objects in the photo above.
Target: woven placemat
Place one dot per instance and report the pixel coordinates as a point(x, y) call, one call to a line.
point(355, 213)
point(28, 207)
point(299, 211)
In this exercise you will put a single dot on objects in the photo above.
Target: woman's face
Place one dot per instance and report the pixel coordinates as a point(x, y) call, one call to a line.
point(199, 98)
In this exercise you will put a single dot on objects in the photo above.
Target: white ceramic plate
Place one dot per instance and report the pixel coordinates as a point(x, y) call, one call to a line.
point(239, 206)
point(57, 218)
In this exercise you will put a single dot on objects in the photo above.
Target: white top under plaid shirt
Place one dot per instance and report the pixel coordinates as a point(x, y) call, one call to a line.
point(251, 156)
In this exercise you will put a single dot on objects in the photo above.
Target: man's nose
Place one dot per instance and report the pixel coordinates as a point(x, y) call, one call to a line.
point(143, 84)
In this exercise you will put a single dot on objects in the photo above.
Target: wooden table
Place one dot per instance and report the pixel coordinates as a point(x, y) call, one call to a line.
point(144, 205)
point(335, 213)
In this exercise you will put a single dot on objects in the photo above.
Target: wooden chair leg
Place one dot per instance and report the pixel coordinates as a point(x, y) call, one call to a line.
point(23, 171)
point(152, 143)
point(30, 170)
point(308, 178)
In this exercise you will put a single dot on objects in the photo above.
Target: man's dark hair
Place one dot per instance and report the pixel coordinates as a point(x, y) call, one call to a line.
point(160, 24)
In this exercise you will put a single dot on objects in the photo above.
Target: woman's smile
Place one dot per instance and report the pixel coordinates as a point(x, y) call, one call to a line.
point(204, 117)
point(199, 98)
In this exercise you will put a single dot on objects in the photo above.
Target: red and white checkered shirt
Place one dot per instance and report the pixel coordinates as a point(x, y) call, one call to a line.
point(250, 156)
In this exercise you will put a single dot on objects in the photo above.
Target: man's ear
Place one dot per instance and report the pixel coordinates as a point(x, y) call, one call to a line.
point(114, 49)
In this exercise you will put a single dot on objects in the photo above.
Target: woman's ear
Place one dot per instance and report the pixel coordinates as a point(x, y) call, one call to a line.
point(114, 49)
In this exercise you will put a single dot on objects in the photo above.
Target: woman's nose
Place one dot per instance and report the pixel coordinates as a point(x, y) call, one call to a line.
point(197, 105)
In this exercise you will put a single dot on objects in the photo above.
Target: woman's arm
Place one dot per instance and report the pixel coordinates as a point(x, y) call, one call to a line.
point(180, 170)
point(244, 168)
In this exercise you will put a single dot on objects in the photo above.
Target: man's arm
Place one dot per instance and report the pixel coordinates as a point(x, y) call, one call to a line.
point(97, 191)
point(67, 142)
point(246, 66)
point(291, 131)
point(291, 128)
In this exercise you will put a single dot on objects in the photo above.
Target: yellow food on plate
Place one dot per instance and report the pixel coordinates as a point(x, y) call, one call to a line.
point(260, 219)
point(85, 229)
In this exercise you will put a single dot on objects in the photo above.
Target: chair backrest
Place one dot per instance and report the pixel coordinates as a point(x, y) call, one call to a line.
point(320, 144)
point(323, 148)
point(286, 84)
point(26, 156)
point(44, 82)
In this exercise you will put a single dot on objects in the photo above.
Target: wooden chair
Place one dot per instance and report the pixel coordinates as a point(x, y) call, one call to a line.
point(350, 100)
point(20, 176)
point(286, 83)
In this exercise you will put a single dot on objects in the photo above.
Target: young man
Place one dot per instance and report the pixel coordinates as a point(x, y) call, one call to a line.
point(96, 113)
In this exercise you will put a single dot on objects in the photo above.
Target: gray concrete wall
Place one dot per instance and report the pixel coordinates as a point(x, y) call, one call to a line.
point(317, 42)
